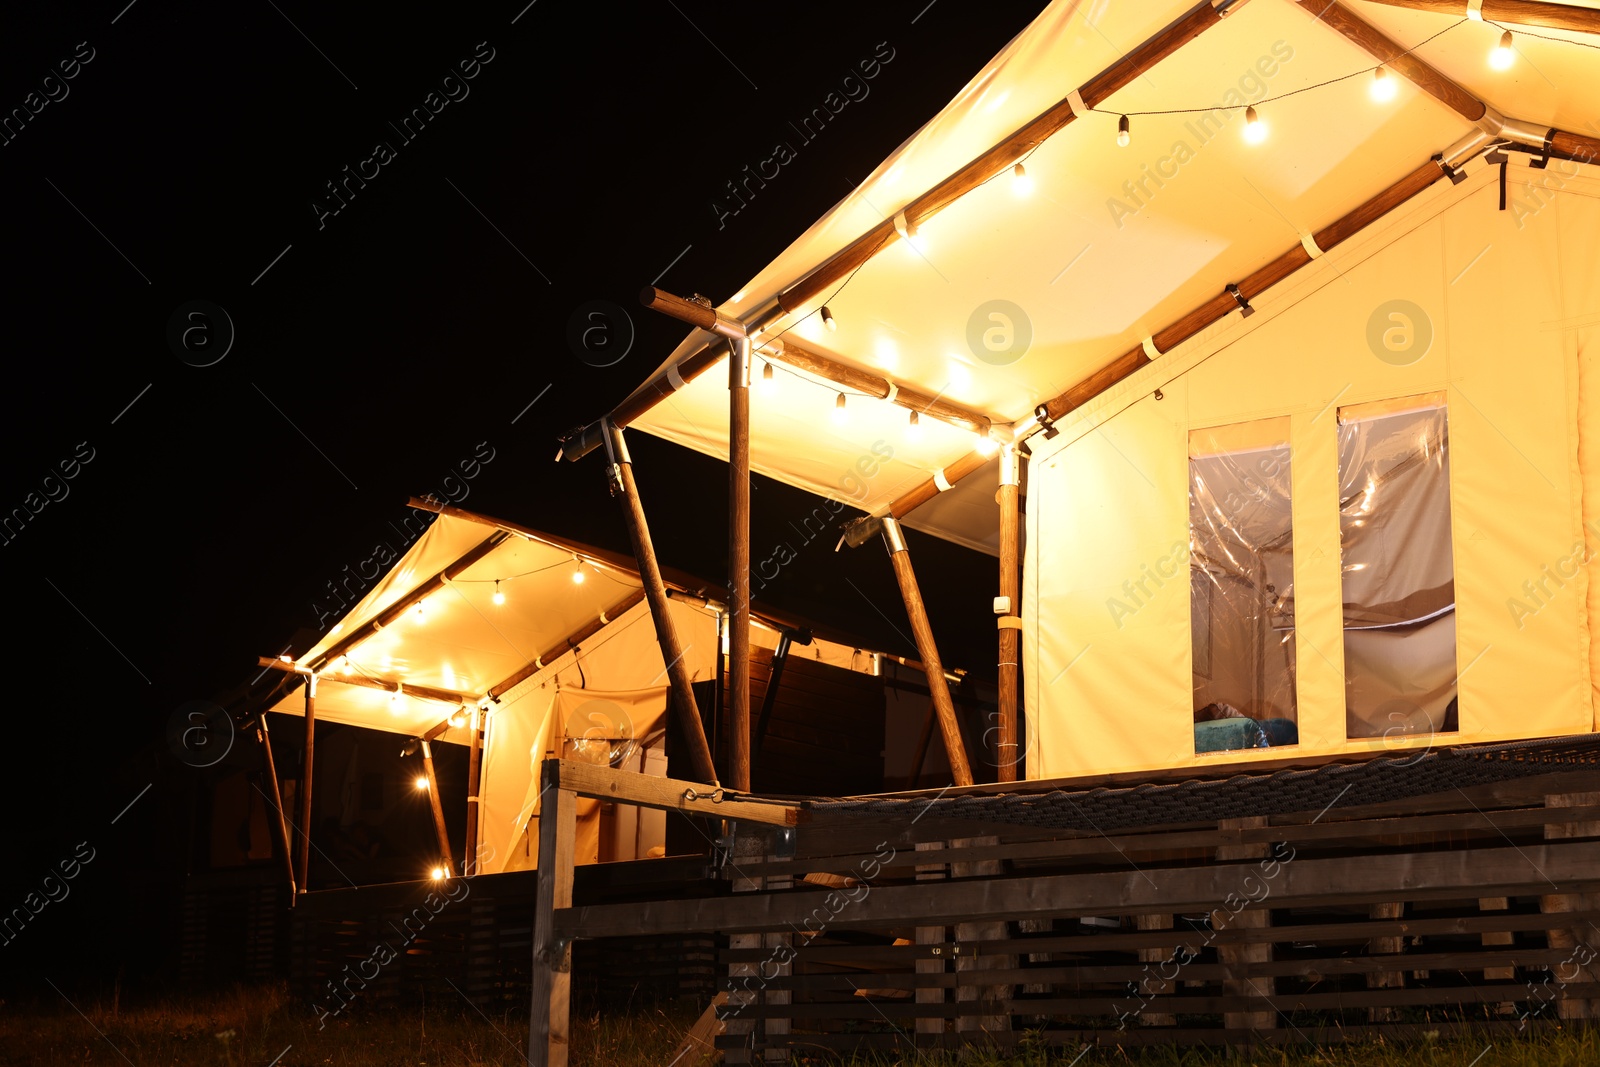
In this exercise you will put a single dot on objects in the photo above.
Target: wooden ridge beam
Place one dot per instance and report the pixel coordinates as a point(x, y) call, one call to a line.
point(406, 602)
point(669, 794)
point(1513, 12)
point(426, 692)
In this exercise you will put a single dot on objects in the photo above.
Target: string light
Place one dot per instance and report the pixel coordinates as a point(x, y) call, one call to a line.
point(914, 428)
point(439, 874)
point(1255, 131)
point(577, 572)
point(827, 320)
point(421, 783)
point(1383, 87)
point(344, 665)
point(458, 718)
point(769, 384)
point(1021, 184)
point(499, 597)
point(840, 416)
point(1123, 135)
point(987, 446)
point(1503, 54)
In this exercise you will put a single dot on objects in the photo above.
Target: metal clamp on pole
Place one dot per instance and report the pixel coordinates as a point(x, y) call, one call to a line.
point(616, 455)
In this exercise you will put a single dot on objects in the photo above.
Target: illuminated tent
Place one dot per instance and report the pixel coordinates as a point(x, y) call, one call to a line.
point(1366, 309)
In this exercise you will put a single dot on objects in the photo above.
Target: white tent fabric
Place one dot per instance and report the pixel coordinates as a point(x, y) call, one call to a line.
point(1114, 243)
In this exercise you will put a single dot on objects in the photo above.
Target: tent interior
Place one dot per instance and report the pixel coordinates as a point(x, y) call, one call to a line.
point(1377, 464)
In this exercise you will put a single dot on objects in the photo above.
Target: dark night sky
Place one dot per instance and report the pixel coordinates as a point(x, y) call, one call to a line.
point(181, 160)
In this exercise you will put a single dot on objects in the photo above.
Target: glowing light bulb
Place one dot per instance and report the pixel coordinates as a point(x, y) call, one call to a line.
point(1255, 131)
point(914, 428)
point(1383, 87)
point(421, 783)
point(827, 319)
point(1123, 134)
point(1503, 54)
point(499, 597)
point(577, 577)
point(769, 384)
point(1021, 184)
point(439, 874)
point(987, 446)
point(840, 416)
point(344, 665)
point(458, 718)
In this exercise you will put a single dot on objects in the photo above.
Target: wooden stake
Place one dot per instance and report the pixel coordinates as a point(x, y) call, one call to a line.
point(933, 668)
point(1514, 12)
point(305, 781)
point(474, 784)
point(1007, 753)
point(277, 803)
point(549, 1025)
point(739, 564)
point(438, 807)
point(655, 591)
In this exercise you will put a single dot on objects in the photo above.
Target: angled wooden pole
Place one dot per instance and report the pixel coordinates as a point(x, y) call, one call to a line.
point(549, 1024)
point(739, 564)
point(438, 806)
point(474, 783)
point(626, 489)
point(1009, 615)
point(306, 764)
point(933, 668)
point(277, 803)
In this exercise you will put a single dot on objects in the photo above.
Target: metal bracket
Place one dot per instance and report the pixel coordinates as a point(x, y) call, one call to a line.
point(1238, 297)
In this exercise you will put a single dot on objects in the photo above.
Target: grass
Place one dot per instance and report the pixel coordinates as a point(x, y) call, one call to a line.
point(254, 1027)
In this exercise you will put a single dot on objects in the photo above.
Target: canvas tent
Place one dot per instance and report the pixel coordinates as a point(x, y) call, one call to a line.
point(484, 625)
point(1339, 376)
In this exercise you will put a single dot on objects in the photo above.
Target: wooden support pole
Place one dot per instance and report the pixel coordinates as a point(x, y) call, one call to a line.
point(655, 591)
point(438, 807)
point(304, 864)
point(549, 1026)
point(933, 668)
point(276, 797)
point(474, 784)
point(739, 564)
point(1007, 754)
point(1514, 13)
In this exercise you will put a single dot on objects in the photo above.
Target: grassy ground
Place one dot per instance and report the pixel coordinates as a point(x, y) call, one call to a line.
point(264, 1028)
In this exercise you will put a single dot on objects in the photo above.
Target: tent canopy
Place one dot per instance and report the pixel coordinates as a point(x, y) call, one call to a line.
point(1112, 243)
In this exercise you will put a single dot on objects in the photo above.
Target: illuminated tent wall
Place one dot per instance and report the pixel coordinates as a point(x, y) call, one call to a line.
point(602, 698)
point(1097, 276)
point(1464, 444)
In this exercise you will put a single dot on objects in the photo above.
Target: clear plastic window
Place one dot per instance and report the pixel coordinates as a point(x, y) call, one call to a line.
point(1399, 570)
point(1241, 572)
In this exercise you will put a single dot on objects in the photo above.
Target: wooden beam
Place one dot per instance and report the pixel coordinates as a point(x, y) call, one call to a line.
point(1397, 57)
point(549, 1023)
point(922, 632)
point(922, 493)
point(426, 692)
point(1513, 12)
point(389, 614)
point(1004, 154)
point(474, 784)
point(1575, 145)
point(1007, 755)
point(566, 644)
point(670, 794)
point(672, 651)
point(306, 765)
point(1514, 871)
point(437, 804)
point(599, 557)
point(1253, 285)
point(276, 796)
point(739, 564)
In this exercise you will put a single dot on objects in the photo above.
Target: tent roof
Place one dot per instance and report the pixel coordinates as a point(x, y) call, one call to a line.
point(462, 645)
point(1114, 243)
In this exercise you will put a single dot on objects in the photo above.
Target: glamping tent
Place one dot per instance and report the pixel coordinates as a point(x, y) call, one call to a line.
point(1295, 301)
point(520, 645)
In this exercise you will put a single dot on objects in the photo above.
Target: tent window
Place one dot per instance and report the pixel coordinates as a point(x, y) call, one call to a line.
point(1241, 574)
point(1399, 570)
